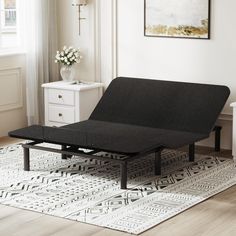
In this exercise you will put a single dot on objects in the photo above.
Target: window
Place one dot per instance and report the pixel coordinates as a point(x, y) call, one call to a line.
point(9, 35)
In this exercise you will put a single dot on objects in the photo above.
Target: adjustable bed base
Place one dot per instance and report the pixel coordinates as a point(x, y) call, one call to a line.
point(70, 151)
point(136, 117)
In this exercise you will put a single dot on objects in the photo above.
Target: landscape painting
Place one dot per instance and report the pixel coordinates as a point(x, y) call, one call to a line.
point(177, 18)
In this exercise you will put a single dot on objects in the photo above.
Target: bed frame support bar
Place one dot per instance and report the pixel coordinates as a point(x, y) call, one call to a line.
point(123, 171)
point(192, 152)
point(63, 156)
point(26, 158)
point(217, 130)
point(67, 151)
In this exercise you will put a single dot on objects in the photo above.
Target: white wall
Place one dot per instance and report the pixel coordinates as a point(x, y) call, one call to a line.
point(12, 93)
point(193, 60)
point(68, 25)
point(97, 39)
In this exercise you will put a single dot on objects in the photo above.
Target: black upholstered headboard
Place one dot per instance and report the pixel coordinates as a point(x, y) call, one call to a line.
point(162, 104)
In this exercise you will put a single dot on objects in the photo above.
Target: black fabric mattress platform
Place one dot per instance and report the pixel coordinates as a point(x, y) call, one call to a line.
point(108, 136)
point(138, 116)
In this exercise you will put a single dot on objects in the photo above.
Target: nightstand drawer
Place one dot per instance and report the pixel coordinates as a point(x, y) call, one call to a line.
point(67, 103)
point(63, 97)
point(59, 114)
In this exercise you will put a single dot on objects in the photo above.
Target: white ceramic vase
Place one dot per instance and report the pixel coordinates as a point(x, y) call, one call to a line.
point(67, 73)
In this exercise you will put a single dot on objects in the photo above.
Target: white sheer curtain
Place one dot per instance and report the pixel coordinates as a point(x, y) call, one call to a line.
point(39, 21)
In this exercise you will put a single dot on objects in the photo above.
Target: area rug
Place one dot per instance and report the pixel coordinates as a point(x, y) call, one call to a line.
point(88, 190)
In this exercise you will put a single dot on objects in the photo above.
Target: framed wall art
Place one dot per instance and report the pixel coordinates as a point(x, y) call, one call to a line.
point(177, 18)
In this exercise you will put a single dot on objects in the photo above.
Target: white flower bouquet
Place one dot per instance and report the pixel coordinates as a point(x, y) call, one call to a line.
point(68, 56)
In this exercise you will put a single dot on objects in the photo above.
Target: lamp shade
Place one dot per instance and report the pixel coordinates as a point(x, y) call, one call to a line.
point(80, 2)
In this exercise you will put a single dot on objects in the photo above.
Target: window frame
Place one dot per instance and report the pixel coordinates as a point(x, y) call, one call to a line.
point(17, 47)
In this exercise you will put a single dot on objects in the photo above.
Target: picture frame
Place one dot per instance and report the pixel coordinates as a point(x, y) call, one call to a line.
point(177, 19)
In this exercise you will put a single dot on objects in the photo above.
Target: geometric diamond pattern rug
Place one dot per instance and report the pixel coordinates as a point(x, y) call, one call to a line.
point(89, 191)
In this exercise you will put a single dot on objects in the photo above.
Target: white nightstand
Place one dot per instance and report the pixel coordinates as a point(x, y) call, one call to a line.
point(67, 103)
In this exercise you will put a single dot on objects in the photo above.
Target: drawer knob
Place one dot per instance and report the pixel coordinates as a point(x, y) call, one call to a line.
point(59, 96)
point(60, 114)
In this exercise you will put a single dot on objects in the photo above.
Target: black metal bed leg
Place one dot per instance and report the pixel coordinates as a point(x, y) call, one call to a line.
point(217, 138)
point(158, 163)
point(26, 159)
point(123, 172)
point(192, 152)
point(63, 156)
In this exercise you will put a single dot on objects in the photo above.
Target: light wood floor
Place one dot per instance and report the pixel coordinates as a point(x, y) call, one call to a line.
point(214, 217)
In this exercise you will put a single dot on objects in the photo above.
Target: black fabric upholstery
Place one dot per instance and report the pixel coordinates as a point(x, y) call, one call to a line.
point(34, 132)
point(108, 136)
point(162, 104)
point(136, 115)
